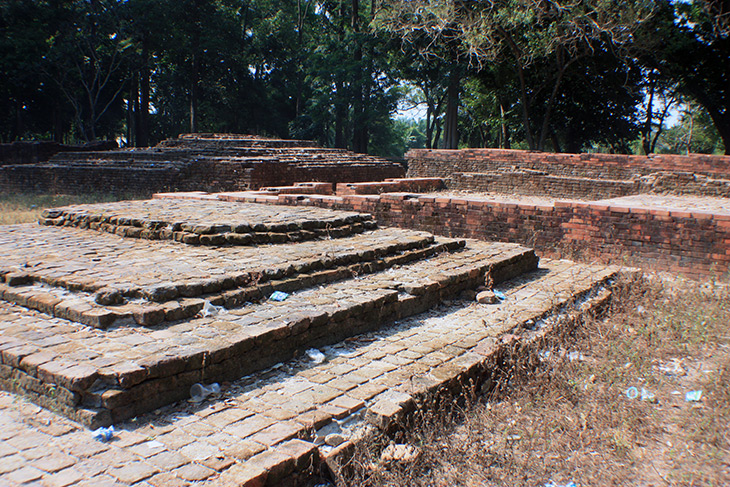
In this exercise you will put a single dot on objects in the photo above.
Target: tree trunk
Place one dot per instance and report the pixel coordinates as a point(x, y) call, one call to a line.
point(504, 142)
point(340, 115)
point(555, 141)
point(132, 112)
point(429, 126)
point(359, 142)
point(451, 133)
point(194, 93)
point(562, 66)
point(57, 123)
point(143, 129)
point(646, 133)
point(525, 103)
point(437, 137)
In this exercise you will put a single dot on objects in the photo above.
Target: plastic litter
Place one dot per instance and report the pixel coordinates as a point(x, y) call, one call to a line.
point(693, 396)
point(198, 392)
point(553, 484)
point(673, 367)
point(644, 395)
point(278, 296)
point(210, 309)
point(573, 356)
point(647, 395)
point(103, 434)
point(315, 355)
point(153, 444)
point(500, 295)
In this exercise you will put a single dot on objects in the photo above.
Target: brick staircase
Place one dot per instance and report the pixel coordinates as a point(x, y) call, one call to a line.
point(210, 162)
point(102, 324)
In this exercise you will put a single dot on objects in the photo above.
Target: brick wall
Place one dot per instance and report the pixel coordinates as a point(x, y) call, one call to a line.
point(530, 183)
point(695, 244)
point(196, 176)
point(441, 163)
point(592, 176)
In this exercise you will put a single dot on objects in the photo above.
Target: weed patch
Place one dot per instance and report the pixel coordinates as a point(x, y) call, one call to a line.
point(575, 417)
point(27, 207)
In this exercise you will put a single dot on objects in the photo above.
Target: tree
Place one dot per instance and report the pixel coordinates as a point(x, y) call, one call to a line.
point(693, 49)
point(694, 133)
point(31, 102)
point(521, 32)
point(86, 57)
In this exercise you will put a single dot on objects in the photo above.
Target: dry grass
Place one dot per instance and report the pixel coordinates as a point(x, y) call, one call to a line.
point(571, 420)
point(27, 207)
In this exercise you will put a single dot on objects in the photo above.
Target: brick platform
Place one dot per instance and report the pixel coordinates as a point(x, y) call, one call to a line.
point(268, 427)
point(103, 328)
point(153, 297)
point(584, 176)
point(191, 162)
point(687, 235)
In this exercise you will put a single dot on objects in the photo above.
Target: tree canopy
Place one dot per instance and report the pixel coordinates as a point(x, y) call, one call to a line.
point(571, 76)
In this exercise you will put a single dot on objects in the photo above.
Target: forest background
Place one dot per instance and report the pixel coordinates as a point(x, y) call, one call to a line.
point(378, 76)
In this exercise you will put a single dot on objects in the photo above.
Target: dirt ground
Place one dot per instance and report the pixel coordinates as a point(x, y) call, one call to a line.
point(607, 406)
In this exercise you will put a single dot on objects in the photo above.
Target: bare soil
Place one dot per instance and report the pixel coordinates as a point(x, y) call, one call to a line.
point(575, 418)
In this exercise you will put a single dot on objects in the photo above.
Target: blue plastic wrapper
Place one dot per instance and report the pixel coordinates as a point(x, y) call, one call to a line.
point(693, 396)
point(278, 296)
point(103, 434)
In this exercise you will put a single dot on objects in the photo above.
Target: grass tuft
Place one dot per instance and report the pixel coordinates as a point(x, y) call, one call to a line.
point(571, 420)
point(27, 207)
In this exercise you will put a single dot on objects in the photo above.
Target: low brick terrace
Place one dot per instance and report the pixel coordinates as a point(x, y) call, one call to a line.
point(111, 312)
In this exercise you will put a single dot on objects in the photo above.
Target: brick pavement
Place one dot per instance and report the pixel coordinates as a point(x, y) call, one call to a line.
point(268, 426)
point(720, 206)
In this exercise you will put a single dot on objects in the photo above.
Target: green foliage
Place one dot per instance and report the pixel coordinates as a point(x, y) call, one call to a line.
point(564, 76)
point(694, 133)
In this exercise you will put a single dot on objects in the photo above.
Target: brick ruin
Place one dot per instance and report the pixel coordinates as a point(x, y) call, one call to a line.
point(110, 311)
point(584, 176)
point(192, 162)
point(327, 310)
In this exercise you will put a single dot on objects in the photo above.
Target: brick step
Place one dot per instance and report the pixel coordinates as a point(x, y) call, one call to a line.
point(114, 170)
point(130, 370)
point(267, 428)
point(80, 260)
point(161, 220)
point(162, 303)
point(525, 172)
point(233, 139)
point(169, 163)
point(175, 300)
point(122, 155)
point(377, 380)
point(303, 159)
